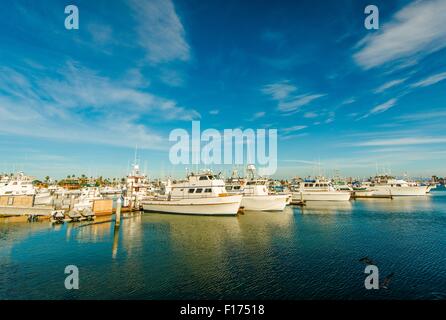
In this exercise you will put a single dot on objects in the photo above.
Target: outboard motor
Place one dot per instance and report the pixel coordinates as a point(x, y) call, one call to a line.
point(58, 216)
point(88, 214)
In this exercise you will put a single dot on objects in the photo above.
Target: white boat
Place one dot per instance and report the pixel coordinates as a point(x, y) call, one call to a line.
point(255, 191)
point(317, 190)
point(86, 199)
point(256, 196)
point(396, 187)
point(137, 186)
point(200, 194)
point(18, 185)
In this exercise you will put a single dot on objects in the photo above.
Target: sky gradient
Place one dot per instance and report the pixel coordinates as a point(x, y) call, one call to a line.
point(79, 101)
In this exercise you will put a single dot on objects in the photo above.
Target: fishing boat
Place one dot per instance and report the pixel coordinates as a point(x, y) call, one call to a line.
point(318, 189)
point(256, 196)
point(200, 194)
point(87, 197)
point(387, 185)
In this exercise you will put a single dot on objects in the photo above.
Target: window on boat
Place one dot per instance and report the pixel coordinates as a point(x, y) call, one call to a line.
point(199, 190)
point(204, 178)
point(191, 190)
point(251, 183)
point(237, 187)
point(208, 190)
point(228, 188)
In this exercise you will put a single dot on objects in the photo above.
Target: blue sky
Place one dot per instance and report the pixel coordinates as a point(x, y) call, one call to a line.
point(79, 101)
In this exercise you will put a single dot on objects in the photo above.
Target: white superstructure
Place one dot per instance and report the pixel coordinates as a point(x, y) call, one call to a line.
point(317, 190)
point(384, 185)
point(255, 191)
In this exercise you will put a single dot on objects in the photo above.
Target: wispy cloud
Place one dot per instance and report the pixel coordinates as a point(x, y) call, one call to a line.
point(310, 115)
point(414, 31)
point(293, 129)
point(389, 85)
point(430, 80)
point(100, 33)
point(76, 104)
point(435, 114)
point(349, 101)
point(258, 115)
point(287, 101)
point(400, 141)
point(299, 101)
point(214, 112)
point(380, 108)
point(160, 31)
point(280, 90)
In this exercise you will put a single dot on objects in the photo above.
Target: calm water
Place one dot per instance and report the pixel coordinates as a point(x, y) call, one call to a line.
point(297, 254)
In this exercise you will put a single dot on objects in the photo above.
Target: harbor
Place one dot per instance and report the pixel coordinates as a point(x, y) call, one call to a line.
point(303, 252)
point(202, 236)
point(200, 193)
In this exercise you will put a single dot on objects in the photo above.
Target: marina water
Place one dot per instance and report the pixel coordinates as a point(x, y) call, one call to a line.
point(309, 252)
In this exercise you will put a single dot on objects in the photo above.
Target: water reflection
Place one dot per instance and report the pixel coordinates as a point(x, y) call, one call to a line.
point(254, 255)
point(115, 242)
point(398, 204)
point(327, 207)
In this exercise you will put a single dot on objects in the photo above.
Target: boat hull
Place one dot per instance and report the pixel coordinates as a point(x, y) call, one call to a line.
point(228, 205)
point(401, 191)
point(321, 196)
point(264, 202)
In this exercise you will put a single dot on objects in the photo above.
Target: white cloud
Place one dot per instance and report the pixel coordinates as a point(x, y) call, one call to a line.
point(214, 112)
point(296, 102)
point(381, 108)
point(430, 80)
point(432, 115)
point(401, 141)
point(293, 129)
point(349, 101)
point(76, 104)
point(279, 91)
point(258, 115)
point(414, 31)
point(310, 115)
point(101, 34)
point(288, 103)
point(389, 85)
point(160, 31)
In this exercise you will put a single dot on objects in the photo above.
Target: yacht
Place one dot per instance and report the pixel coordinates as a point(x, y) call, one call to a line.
point(317, 190)
point(200, 194)
point(18, 185)
point(256, 196)
point(386, 185)
point(87, 197)
point(137, 186)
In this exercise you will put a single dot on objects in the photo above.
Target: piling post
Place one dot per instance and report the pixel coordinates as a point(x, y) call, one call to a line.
point(71, 202)
point(118, 212)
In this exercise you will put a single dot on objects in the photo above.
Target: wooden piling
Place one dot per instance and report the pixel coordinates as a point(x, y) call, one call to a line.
point(118, 212)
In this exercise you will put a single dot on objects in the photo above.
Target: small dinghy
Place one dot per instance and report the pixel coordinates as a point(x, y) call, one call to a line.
point(74, 215)
point(58, 216)
point(88, 214)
